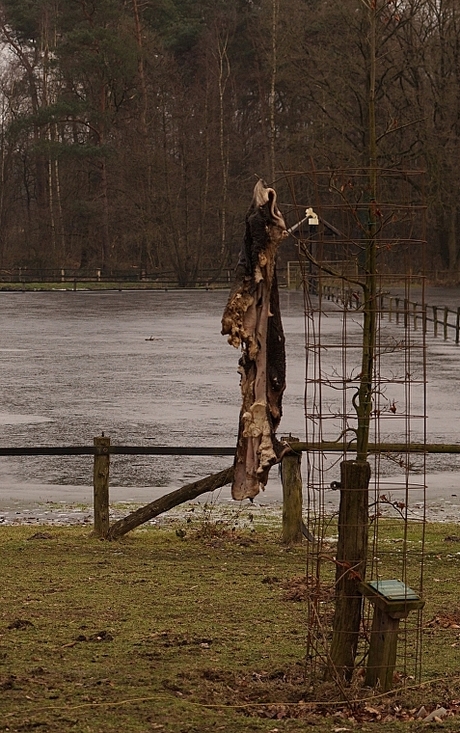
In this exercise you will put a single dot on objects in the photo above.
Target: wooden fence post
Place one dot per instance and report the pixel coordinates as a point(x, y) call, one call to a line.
point(446, 317)
point(101, 487)
point(435, 321)
point(291, 477)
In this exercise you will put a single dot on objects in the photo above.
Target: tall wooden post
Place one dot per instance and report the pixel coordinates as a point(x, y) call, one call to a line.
point(351, 565)
point(291, 476)
point(101, 486)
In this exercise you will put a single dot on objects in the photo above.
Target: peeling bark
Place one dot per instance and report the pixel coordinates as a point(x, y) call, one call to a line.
point(252, 321)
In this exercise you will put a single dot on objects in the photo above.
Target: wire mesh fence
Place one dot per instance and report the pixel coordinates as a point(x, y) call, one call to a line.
point(367, 529)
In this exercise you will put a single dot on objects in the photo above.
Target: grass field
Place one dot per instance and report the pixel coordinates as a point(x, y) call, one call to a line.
point(193, 627)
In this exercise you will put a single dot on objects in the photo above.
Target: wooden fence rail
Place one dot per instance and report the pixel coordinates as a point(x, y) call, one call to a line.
point(126, 450)
point(292, 500)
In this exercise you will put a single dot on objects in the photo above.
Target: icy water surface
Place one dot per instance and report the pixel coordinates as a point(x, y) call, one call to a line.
point(147, 368)
point(151, 368)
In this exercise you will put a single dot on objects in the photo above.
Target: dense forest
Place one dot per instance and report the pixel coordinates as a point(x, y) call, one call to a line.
point(132, 130)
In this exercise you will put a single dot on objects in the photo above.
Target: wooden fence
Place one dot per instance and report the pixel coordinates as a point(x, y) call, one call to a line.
point(440, 320)
point(291, 476)
point(443, 320)
point(134, 278)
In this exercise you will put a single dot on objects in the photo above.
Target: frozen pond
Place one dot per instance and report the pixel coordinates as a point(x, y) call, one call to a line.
point(151, 368)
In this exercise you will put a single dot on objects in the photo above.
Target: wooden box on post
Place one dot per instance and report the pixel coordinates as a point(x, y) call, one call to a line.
point(392, 601)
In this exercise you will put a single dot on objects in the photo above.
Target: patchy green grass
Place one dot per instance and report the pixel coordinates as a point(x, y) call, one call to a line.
point(192, 628)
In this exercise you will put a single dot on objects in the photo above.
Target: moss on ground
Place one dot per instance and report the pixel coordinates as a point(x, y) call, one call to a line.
point(191, 628)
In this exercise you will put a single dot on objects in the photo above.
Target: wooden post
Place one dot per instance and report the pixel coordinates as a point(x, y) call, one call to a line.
point(351, 560)
point(435, 321)
point(101, 487)
point(382, 650)
point(406, 312)
point(397, 309)
point(425, 319)
point(291, 477)
point(389, 608)
point(414, 306)
point(446, 315)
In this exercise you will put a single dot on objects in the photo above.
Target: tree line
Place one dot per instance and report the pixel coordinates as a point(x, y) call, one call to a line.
point(132, 131)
